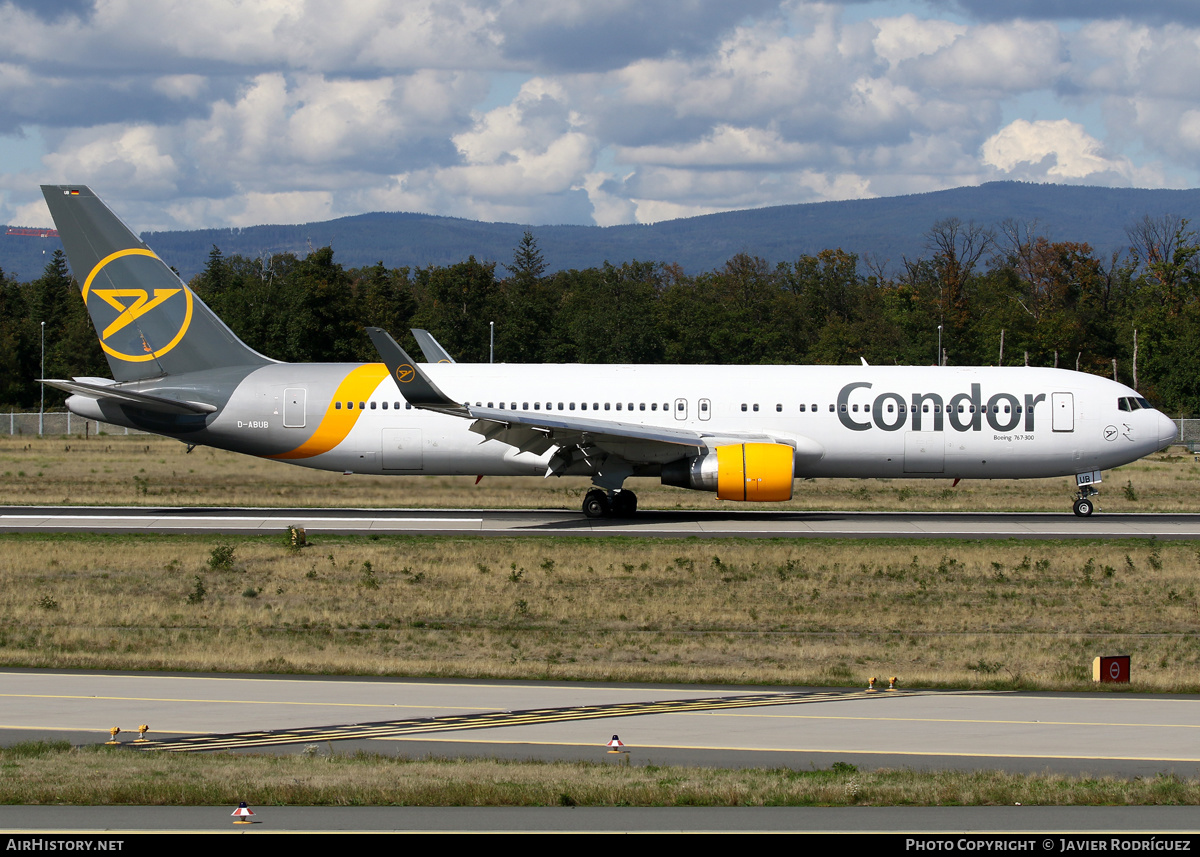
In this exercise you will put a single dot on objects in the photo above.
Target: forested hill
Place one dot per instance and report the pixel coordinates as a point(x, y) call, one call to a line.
point(881, 229)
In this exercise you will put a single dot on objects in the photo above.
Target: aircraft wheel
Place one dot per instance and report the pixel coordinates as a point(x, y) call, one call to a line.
point(595, 504)
point(1083, 508)
point(624, 504)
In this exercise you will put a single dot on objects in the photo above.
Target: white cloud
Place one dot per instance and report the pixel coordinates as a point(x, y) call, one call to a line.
point(1054, 149)
point(908, 36)
point(996, 58)
point(116, 156)
point(631, 110)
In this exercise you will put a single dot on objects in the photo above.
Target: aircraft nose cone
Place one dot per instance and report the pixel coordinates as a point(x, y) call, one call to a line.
point(1168, 432)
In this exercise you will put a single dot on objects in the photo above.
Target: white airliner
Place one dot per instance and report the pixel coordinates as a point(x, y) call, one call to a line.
point(744, 432)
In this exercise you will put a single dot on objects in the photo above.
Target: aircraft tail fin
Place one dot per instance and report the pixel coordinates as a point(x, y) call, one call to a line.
point(149, 322)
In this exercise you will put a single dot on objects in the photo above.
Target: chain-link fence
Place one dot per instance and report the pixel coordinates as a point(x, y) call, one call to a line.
point(57, 423)
point(1189, 433)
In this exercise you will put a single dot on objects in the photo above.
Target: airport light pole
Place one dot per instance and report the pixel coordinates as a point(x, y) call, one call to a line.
point(42, 408)
point(938, 362)
point(491, 342)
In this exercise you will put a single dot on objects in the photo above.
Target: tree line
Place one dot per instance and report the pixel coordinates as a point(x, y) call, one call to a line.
point(1008, 296)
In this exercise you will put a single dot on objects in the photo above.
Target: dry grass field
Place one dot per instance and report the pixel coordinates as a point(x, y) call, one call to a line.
point(152, 471)
point(994, 614)
point(56, 774)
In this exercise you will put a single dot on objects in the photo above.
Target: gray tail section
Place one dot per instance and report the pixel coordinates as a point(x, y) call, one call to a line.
point(149, 322)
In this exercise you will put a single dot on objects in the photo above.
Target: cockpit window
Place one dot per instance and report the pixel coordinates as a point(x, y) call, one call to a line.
point(1132, 403)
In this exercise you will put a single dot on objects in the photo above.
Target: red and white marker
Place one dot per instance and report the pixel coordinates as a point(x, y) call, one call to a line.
point(243, 813)
point(615, 745)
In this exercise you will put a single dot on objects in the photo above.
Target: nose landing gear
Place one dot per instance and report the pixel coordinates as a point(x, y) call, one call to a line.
point(1084, 505)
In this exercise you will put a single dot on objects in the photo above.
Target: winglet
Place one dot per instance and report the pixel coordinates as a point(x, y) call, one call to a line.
point(430, 347)
point(414, 384)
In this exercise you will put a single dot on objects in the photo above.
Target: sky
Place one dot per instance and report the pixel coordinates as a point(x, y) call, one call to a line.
point(185, 114)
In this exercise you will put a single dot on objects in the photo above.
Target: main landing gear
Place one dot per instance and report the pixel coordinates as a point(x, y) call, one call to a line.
point(619, 504)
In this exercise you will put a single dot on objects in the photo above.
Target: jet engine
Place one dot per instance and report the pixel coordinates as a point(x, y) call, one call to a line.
point(747, 471)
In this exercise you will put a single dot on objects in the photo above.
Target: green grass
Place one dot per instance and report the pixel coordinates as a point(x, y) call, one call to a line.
point(56, 774)
point(1017, 614)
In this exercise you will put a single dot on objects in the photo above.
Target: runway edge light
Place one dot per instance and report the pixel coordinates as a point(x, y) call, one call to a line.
point(242, 814)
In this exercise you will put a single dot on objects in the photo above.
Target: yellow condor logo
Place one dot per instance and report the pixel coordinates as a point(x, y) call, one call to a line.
point(132, 304)
point(405, 373)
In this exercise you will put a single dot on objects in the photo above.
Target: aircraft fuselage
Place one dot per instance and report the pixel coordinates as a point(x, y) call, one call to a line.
point(936, 422)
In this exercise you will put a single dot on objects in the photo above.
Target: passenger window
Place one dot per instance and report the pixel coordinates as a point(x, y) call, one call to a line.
point(337, 406)
point(362, 406)
point(572, 406)
point(385, 405)
point(560, 407)
point(756, 407)
point(537, 406)
point(607, 406)
point(802, 408)
point(396, 406)
point(779, 409)
point(372, 406)
point(654, 406)
point(349, 406)
point(743, 406)
point(642, 406)
point(618, 406)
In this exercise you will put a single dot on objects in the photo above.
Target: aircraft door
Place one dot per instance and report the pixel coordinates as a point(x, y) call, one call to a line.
point(293, 407)
point(681, 409)
point(1063, 405)
point(402, 449)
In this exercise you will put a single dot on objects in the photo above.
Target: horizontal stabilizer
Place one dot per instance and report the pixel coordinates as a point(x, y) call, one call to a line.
point(145, 401)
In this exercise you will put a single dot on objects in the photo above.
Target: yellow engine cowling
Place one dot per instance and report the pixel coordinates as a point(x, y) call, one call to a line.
point(760, 472)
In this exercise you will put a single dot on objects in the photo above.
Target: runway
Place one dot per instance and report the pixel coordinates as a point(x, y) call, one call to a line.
point(656, 524)
point(1096, 733)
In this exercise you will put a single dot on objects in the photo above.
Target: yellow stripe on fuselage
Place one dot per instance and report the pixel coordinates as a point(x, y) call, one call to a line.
point(356, 387)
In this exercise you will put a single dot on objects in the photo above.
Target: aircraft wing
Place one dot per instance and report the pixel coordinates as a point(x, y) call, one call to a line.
point(145, 401)
point(576, 437)
point(430, 347)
